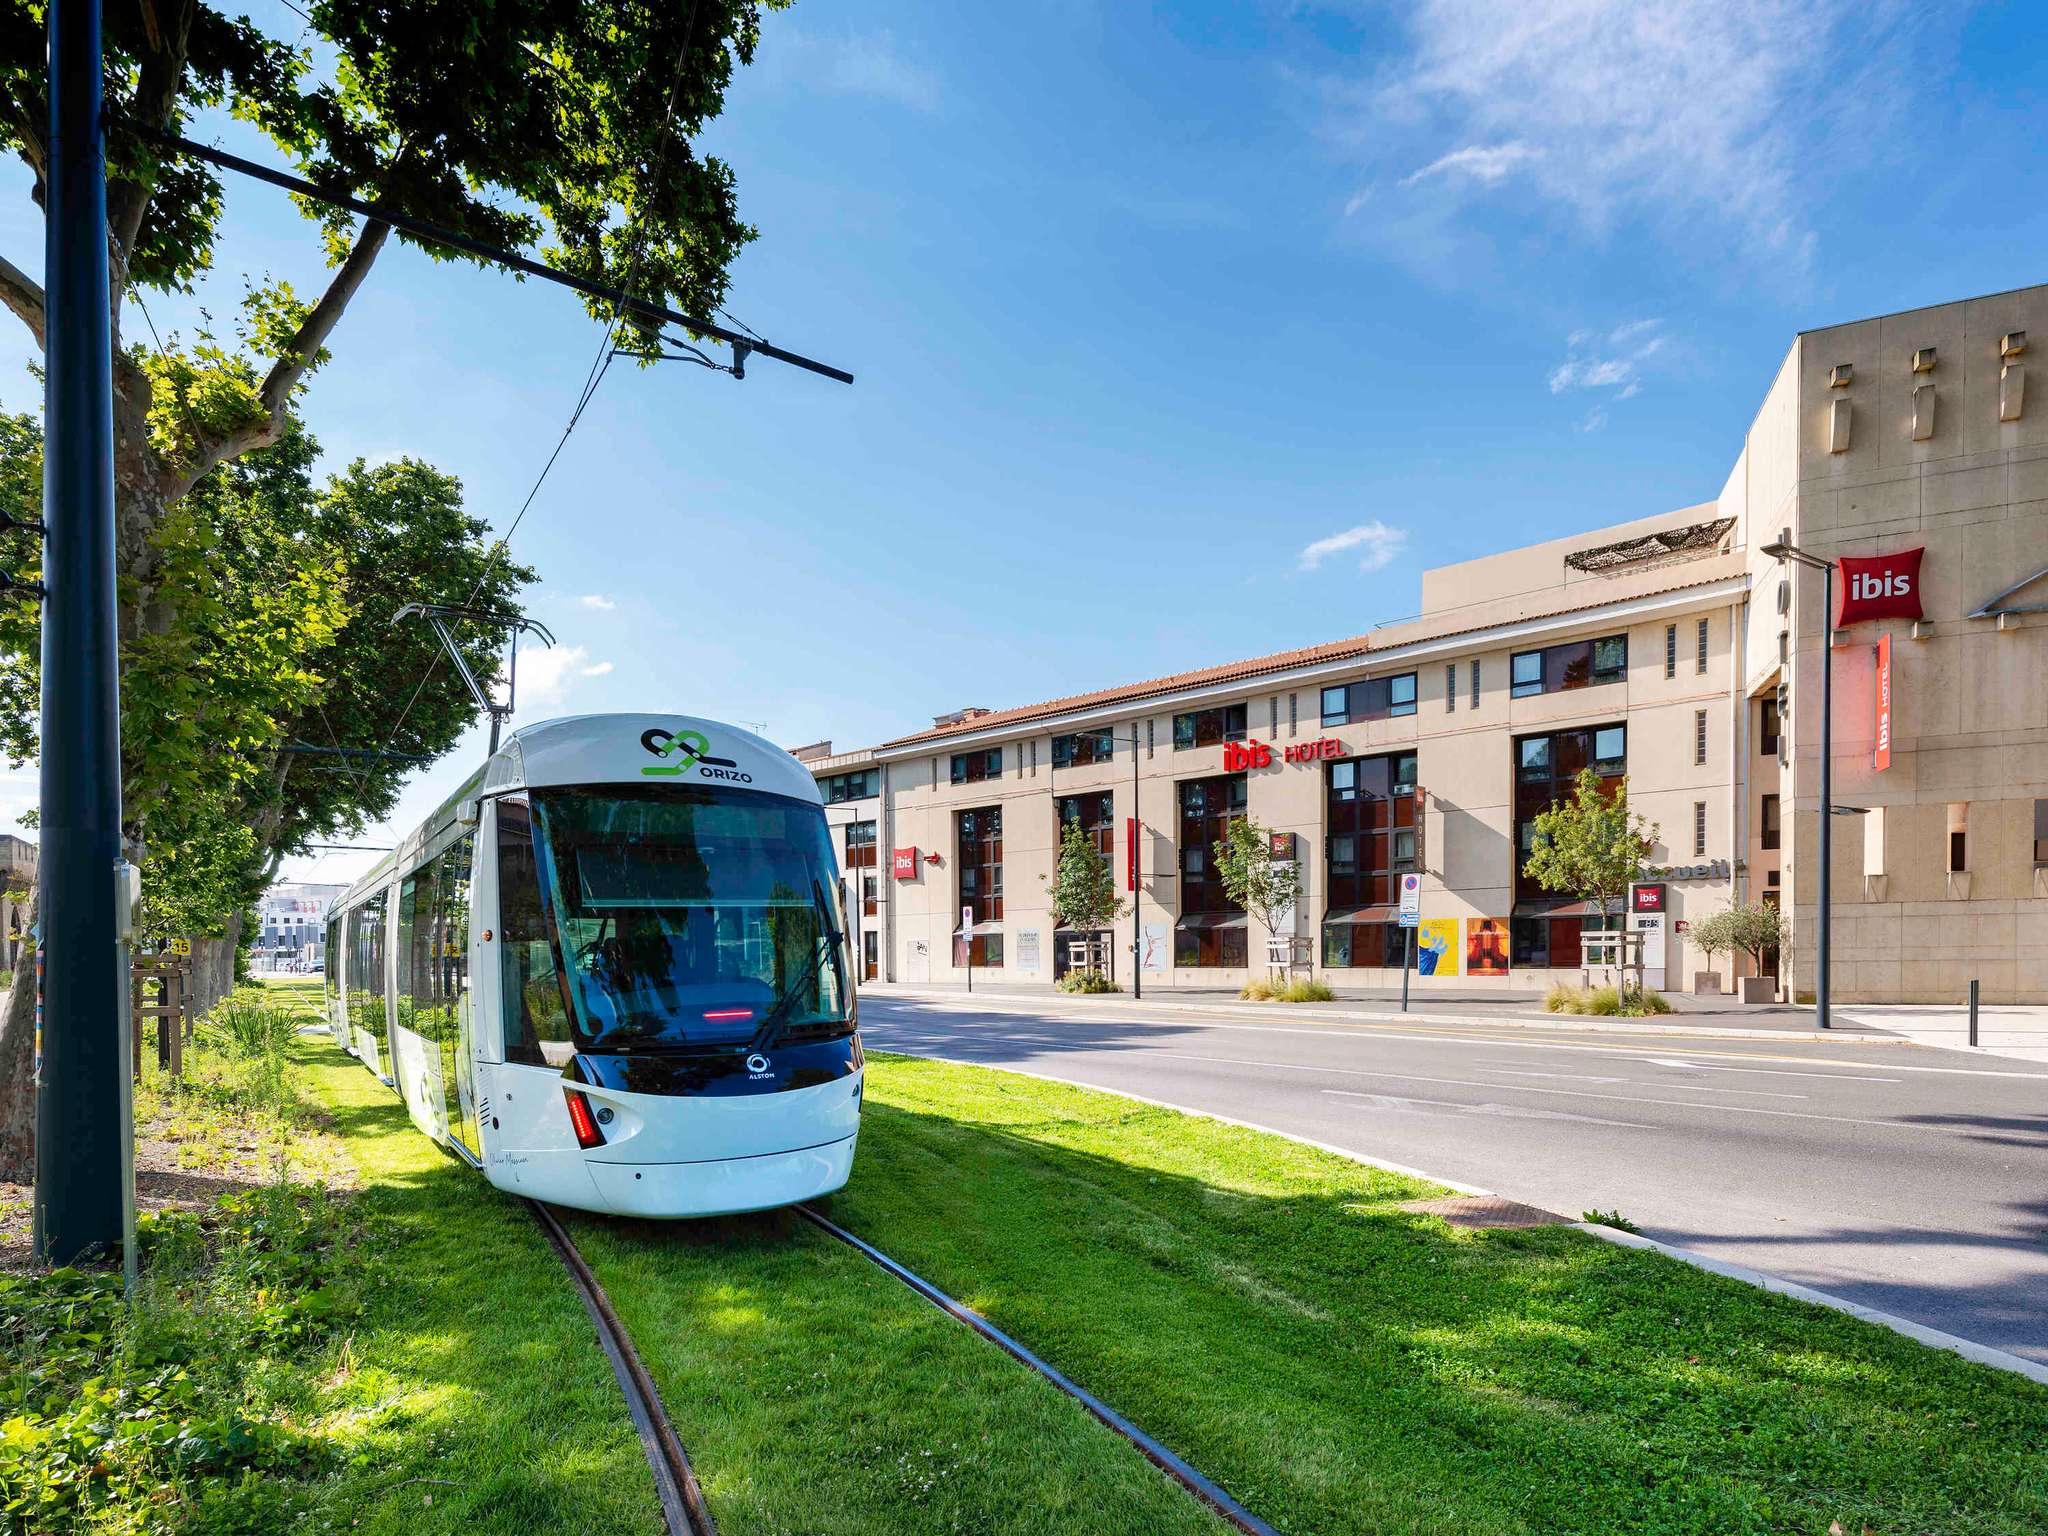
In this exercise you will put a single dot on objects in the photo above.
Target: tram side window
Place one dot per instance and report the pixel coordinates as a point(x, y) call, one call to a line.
point(412, 923)
point(535, 1011)
point(366, 967)
point(330, 960)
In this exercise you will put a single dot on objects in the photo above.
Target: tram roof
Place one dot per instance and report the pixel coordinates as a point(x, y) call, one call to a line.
point(603, 749)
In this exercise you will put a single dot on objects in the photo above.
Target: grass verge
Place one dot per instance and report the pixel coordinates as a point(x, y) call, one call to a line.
point(1344, 1365)
point(404, 1358)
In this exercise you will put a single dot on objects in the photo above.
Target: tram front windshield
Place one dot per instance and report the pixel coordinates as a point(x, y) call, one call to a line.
point(690, 915)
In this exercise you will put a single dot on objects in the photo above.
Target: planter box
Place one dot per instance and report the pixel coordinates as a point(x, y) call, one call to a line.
point(1706, 983)
point(1759, 989)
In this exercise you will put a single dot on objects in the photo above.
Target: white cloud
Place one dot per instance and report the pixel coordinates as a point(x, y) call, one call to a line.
point(1593, 420)
point(1615, 109)
point(1377, 544)
point(598, 601)
point(548, 676)
point(1483, 163)
point(1614, 361)
point(854, 64)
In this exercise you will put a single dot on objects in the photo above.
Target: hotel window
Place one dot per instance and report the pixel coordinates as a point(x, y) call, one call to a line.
point(1450, 687)
point(1545, 926)
point(1767, 725)
point(1082, 748)
point(838, 788)
point(1579, 664)
point(1671, 650)
point(1699, 829)
point(1475, 682)
point(1211, 930)
point(1958, 837)
point(1767, 822)
point(1095, 816)
point(1702, 663)
point(1377, 698)
point(860, 845)
point(1207, 727)
point(2041, 831)
point(975, 767)
point(1699, 737)
point(980, 863)
point(870, 896)
point(1369, 816)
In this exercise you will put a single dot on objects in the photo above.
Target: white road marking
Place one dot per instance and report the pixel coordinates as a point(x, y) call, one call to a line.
point(1461, 1034)
point(1573, 1093)
point(1832, 1077)
point(1569, 1077)
point(1582, 1077)
point(1505, 1111)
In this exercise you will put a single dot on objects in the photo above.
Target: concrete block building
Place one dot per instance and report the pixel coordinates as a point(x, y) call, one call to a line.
point(1670, 649)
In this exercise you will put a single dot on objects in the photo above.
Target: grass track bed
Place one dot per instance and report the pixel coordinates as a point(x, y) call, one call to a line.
point(1342, 1365)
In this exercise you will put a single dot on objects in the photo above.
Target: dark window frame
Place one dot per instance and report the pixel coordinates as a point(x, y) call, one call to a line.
point(1209, 727)
point(1078, 749)
point(1392, 697)
point(1096, 813)
point(977, 767)
point(1767, 822)
point(1543, 777)
point(1567, 666)
point(1368, 820)
point(1202, 822)
point(855, 784)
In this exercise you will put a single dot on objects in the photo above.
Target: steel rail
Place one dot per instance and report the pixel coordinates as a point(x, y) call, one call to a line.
point(743, 346)
point(1204, 1488)
point(682, 1500)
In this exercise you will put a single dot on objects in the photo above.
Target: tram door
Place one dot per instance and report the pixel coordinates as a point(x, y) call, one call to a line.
point(458, 1086)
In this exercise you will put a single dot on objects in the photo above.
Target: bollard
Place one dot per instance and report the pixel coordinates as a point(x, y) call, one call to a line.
point(1973, 1011)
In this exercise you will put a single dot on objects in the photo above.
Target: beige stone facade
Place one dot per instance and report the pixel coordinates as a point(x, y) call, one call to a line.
point(1671, 641)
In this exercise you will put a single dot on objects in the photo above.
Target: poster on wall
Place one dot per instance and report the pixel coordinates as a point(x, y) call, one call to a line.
point(1486, 946)
point(1027, 949)
point(1436, 946)
point(1154, 956)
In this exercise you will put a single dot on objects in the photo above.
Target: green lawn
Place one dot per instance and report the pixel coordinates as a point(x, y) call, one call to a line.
point(1342, 1366)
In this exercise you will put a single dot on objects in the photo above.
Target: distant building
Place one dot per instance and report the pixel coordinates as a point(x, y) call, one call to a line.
point(17, 874)
point(292, 921)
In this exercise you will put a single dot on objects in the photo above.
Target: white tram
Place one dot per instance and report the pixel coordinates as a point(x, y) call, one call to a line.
point(611, 973)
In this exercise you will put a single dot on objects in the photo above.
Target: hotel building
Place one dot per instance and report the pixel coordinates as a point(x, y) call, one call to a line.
point(1671, 649)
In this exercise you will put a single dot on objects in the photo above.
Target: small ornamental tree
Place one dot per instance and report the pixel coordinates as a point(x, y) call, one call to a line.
point(1755, 929)
point(1083, 893)
point(1252, 877)
point(1590, 846)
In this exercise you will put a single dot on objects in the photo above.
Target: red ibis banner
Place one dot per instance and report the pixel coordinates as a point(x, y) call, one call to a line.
point(903, 863)
point(1130, 853)
point(1884, 702)
point(1880, 587)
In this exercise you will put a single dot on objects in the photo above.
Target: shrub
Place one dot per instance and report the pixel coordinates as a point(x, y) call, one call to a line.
point(1261, 990)
point(1614, 1219)
point(252, 1034)
point(1086, 981)
point(1604, 1002)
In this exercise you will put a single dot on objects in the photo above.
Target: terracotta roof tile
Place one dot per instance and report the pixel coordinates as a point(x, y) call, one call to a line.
point(1389, 637)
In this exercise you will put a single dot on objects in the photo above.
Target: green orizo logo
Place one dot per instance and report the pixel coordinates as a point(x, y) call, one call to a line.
point(692, 749)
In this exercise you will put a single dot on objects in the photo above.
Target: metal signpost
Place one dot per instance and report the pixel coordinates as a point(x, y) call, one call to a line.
point(967, 942)
point(1411, 918)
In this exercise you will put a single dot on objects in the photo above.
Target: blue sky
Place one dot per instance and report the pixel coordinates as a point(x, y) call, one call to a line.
point(1182, 332)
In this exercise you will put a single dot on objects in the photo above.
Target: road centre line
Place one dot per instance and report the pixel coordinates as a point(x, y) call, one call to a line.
point(1570, 1093)
point(1407, 1032)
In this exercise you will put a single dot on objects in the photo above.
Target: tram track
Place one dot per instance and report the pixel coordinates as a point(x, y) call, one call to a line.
point(1205, 1489)
point(675, 1483)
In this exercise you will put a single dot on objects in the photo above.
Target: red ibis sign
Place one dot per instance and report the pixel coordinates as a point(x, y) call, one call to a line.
point(1880, 587)
point(903, 863)
point(1883, 758)
point(1240, 755)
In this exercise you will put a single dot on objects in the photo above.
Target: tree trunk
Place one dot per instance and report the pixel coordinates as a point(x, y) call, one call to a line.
point(212, 973)
point(17, 1064)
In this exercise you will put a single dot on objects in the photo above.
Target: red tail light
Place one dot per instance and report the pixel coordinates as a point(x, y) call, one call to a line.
point(587, 1133)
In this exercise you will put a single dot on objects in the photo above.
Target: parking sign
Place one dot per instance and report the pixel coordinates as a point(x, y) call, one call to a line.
point(1411, 900)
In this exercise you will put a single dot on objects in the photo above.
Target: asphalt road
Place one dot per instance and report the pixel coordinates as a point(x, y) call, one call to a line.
point(1908, 1179)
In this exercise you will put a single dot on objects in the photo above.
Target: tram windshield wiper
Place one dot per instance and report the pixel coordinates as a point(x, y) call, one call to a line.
point(774, 1022)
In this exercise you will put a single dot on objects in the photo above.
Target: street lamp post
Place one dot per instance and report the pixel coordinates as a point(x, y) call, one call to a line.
point(1782, 550)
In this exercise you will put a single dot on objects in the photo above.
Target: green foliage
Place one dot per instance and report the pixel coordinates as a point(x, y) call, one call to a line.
point(1614, 1219)
point(1605, 1002)
point(280, 634)
point(1300, 990)
point(1082, 890)
point(1086, 982)
point(141, 1419)
point(509, 122)
point(1755, 929)
point(1590, 846)
point(1252, 877)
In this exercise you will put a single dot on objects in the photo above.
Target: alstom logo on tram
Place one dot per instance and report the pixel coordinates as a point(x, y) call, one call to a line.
point(615, 985)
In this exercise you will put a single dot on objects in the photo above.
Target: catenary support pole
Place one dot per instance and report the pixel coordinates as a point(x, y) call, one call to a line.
point(1827, 786)
point(1137, 878)
point(81, 1142)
